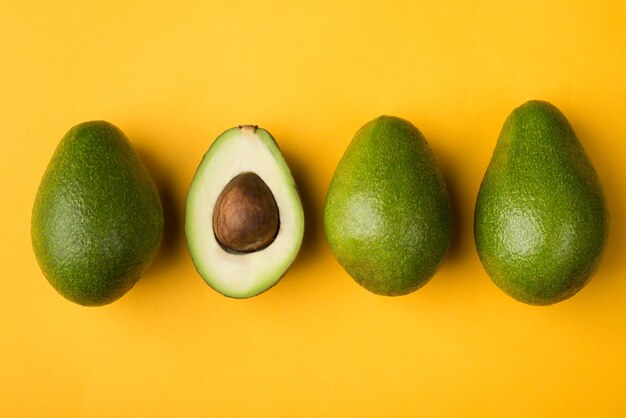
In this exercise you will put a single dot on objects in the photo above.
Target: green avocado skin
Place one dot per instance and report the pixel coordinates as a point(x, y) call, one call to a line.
point(387, 214)
point(97, 219)
point(541, 219)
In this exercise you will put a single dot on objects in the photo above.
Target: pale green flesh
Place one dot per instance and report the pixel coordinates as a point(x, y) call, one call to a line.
point(236, 151)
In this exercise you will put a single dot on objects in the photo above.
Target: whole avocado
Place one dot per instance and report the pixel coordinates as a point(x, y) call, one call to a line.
point(387, 214)
point(97, 220)
point(541, 219)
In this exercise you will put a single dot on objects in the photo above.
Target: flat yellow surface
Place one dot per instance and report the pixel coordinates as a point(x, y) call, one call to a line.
point(174, 75)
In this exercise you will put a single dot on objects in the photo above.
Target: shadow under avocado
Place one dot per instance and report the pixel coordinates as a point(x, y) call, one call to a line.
point(172, 216)
point(607, 167)
point(462, 220)
point(313, 237)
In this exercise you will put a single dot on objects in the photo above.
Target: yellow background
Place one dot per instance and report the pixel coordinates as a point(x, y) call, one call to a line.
point(174, 75)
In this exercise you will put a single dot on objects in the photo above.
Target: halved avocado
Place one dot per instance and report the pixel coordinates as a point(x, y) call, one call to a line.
point(244, 220)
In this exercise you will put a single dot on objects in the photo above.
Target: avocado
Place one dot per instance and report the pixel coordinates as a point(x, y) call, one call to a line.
point(97, 219)
point(387, 213)
point(541, 219)
point(244, 220)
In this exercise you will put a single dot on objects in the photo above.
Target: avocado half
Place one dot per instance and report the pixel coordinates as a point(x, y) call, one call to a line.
point(244, 220)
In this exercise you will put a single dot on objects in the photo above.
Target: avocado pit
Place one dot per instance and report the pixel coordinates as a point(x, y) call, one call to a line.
point(245, 216)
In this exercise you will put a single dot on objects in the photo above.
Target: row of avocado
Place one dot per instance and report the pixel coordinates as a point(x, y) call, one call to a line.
point(540, 221)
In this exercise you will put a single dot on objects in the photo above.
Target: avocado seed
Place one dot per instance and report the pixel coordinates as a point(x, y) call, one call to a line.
point(245, 217)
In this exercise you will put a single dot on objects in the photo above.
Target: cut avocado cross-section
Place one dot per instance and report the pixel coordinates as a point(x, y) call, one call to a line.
point(244, 220)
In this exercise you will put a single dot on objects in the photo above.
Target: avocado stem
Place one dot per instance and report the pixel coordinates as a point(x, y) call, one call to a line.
point(252, 128)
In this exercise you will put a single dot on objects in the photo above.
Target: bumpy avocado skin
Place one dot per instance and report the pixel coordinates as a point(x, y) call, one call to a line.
point(387, 213)
point(97, 219)
point(541, 219)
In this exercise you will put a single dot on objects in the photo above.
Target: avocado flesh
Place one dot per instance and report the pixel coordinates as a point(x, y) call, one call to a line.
point(387, 213)
point(97, 219)
point(541, 220)
point(244, 149)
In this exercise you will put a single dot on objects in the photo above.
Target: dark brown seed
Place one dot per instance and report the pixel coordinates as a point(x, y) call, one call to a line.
point(245, 217)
